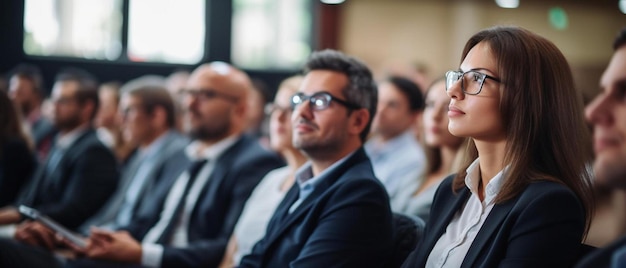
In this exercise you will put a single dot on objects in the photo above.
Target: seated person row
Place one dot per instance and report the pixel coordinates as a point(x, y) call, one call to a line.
point(188, 217)
point(80, 173)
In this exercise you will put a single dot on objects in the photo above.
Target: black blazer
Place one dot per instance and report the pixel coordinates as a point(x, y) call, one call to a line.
point(345, 222)
point(81, 183)
point(213, 218)
point(17, 164)
point(541, 227)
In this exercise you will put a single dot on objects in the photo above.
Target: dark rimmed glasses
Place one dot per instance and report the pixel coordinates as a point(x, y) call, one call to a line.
point(472, 82)
point(319, 101)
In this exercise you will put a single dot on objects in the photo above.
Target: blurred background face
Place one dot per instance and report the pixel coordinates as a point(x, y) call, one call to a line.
point(135, 120)
point(435, 118)
point(607, 113)
point(280, 120)
point(255, 115)
point(66, 109)
point(22, 92)
point(208, 118)
point(394, 115)
point(107, 111)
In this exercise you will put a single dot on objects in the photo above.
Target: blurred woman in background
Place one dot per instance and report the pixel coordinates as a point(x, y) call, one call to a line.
point(443, 154)
point(267, 195)
point(17, 159)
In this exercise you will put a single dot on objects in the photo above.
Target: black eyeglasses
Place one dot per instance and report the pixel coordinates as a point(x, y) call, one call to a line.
point(472, 82)
point(319, 101)
point(207, 94)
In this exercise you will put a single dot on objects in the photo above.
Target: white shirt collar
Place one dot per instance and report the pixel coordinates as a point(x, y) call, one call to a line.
point(66, 140)
point(212, 152)
point(493, 187)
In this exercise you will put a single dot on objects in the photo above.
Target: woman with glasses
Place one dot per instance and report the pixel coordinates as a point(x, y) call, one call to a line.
point(271, 190)
point(522, 200)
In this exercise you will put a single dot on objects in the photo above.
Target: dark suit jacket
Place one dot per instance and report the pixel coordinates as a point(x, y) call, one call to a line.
point(83, 180)
point(17, 163)
point(238, 170)
point(541, 227)
point(345, 222)
point(601, 258)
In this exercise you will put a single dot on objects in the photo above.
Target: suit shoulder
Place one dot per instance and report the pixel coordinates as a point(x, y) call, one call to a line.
point(251, 151)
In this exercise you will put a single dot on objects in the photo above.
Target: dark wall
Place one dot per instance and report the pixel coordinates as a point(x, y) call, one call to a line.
point(217, 48)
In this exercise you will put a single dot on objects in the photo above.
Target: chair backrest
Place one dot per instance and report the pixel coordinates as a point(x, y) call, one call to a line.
point(407, 232)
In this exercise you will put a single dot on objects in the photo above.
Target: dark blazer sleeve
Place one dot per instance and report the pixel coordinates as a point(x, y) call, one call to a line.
point(548, 231)
point(16, 168)
point(93, 180)
point(222, 214)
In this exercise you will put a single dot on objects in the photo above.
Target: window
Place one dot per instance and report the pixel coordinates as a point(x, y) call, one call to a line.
point(166, 31)
point(271, 34)
point(73, 28)
point(158, 30)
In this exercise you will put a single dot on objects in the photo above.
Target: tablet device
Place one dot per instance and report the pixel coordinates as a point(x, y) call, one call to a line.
point(33, 214)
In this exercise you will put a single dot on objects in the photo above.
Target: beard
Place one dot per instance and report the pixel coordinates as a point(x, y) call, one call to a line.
point(314, 147)
point(609, 172)
point(215, 130)
point(67, 124)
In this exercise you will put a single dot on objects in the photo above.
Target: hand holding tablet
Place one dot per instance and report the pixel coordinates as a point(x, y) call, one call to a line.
point(33, 214)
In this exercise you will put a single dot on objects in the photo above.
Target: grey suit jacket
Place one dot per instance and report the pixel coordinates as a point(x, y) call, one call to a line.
point(172, 143)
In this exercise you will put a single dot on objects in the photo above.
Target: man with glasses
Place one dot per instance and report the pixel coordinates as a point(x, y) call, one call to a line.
point(337, 212)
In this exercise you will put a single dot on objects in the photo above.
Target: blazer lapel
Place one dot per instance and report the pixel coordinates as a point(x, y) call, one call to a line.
point(450, 209)
point(284, 219)
point(490, 227)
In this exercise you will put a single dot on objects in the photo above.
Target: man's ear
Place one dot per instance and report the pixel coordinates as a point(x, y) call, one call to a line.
point(87, 109)
point(358, 121)
point(159, 115)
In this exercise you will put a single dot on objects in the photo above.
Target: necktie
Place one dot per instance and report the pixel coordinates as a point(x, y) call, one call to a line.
point(194, 169)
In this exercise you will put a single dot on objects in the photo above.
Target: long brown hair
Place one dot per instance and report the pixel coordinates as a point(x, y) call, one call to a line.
point(10, 122)
point(547, 138)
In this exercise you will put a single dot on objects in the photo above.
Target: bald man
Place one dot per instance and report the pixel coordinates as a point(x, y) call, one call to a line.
point(193, 214)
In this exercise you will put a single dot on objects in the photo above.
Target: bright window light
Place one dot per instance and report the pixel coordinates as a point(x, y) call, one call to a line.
point(271, 34)
point(508, 3)
point(332, 2)
point(81, 29)
point(166, 31)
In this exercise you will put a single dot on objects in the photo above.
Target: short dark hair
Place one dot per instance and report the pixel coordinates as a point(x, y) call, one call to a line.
point(361, 89)
point(620, 40)
point(410, 90)
point(87, 86)
point(32, 73)
point(152, 96)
